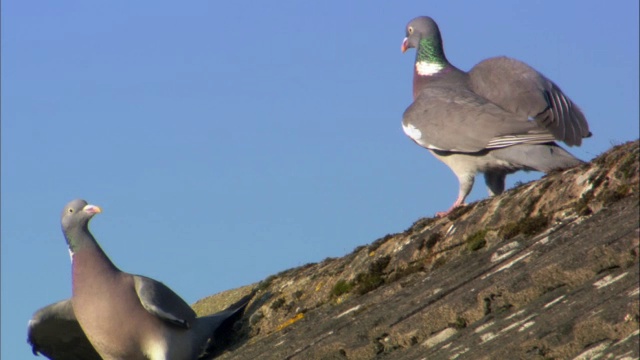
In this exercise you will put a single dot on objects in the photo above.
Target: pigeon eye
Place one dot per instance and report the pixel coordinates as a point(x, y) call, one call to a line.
point(410, 29)
point(70, 210)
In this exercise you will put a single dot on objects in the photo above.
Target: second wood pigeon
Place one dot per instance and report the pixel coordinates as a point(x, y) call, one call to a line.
point(500, 117)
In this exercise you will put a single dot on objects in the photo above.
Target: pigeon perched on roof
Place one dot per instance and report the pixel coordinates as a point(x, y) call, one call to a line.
point(116, 315)
point(500, 117)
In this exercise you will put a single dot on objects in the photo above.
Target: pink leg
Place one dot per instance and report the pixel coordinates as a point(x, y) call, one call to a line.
point(466, 183)
point(459, 202)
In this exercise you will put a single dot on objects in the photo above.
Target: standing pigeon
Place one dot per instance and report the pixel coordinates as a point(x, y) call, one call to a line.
point(500, 117)
point(116, 315)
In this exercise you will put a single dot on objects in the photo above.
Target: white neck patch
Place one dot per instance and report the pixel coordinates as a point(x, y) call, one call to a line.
point(411, 131)
point(425, 68)
point(71, 255)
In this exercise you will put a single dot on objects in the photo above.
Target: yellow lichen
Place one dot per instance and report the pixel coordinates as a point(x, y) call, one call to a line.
point(290, 321)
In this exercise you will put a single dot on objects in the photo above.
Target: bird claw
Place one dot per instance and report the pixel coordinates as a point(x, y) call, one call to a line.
point(441, 214)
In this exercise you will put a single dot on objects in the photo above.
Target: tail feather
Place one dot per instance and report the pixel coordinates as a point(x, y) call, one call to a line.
point(539, 157)
point(217, 327)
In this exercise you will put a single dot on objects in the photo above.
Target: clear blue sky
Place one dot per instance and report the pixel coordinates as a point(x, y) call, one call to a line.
point(227, 142)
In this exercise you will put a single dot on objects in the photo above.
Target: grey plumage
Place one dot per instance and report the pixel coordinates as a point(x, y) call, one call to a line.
point(520, 89)
point(119, 315)
point(500, 117)
point(55, 333)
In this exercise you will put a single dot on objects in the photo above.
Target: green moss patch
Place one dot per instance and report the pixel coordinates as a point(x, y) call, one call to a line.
point(628, 166)
point(610, 196)
point(581, 206)
point(341, 287)
point(459, 211)
point(277, 304)
point(476, 241)
point(264, 284)
point(374, 278)
point(431, 241)
point(527, 226)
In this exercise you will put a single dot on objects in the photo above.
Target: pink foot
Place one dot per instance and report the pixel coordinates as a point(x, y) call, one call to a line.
point(453, 207)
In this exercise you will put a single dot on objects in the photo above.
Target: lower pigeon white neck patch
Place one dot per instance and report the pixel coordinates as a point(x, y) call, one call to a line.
point(411, 131)
point(71, 255)
point(155, 350)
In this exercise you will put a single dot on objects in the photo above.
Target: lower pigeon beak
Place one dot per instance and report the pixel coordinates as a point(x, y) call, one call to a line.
point(405, 45)
point(92, 209)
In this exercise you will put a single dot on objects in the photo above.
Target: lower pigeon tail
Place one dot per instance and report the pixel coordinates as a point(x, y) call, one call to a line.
point(215, 330)
point(540, 157)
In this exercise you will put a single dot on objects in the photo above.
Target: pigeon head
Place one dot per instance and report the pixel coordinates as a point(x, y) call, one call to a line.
point(76, 215)
point(422, 27)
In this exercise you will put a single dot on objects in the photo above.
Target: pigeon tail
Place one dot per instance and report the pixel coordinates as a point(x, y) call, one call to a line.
point(539, 157)
point(215, 330)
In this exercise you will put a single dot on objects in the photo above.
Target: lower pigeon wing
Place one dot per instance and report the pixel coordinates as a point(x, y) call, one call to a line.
point(162, 302)
point(55, 333)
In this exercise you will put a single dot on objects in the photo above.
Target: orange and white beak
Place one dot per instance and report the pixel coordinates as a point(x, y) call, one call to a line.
point(92, 209)
point(405, 45)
